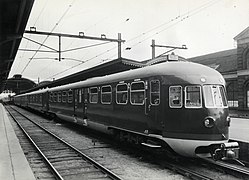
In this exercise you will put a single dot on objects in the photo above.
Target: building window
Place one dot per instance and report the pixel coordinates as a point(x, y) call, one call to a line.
point(175, 96)
point(93, 95)
point(106, 94)
point(155, 92)
point(193, 97)
point(137, 93)
point(232, 94)
point(122, 94)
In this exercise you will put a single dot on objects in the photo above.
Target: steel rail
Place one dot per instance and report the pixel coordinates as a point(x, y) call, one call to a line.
point(106, 171)
point(54, 171)
point(242, 171)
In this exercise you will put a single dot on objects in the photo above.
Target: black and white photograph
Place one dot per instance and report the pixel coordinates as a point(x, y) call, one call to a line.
point(124, 89)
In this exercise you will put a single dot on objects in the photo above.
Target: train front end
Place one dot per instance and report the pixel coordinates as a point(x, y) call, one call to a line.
point(197, 121)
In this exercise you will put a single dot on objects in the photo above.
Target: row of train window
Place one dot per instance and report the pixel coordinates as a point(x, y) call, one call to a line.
point(137, 94)
point(214, 95)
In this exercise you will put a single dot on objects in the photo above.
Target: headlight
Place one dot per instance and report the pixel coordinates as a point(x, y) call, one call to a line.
point(209, 122)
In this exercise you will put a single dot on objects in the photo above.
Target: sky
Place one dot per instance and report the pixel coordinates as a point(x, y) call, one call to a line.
point(204, 26)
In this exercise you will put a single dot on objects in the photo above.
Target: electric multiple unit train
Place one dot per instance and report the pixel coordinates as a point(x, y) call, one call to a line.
point(178, 105)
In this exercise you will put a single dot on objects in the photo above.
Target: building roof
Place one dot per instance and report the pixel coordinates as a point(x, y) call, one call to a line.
point(114, 66)
point(18, 84)
point(242, 35)
point(14, 15)
point(223, 61)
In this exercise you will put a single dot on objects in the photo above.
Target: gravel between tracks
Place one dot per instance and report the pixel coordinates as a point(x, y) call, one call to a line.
point(117, 160)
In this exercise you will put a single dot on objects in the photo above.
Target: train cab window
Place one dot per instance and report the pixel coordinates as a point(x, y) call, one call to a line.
point(155, 92)
point(193, 97)
point(64, 96)
point(93, 95)
point(175, 96)
point(137, 93)
point(106, 94)
point(59, 96)
point(214, 96)
point(55, 97)
point(122, 94)
point(70, 96)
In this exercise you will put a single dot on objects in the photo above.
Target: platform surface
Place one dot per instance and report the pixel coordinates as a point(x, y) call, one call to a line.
point(13, 163)
point(239, 129)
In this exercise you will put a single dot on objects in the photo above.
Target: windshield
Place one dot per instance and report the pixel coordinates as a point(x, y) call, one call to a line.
point(214, 96)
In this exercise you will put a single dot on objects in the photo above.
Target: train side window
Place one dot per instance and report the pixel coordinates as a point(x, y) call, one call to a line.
point(55, 97)
point(193, 97)
point(93, 95)
point(80, 96)
point(106, 94)
point(122, 94)
point(155, 92)
point(50, 97)
point(70, 96)
point(59, 96)
point(137, 93)
point(175, 96)
point(64, 96)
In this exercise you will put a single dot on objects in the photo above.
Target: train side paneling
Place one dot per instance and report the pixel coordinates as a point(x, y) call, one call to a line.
point(35, 101)
point(134, 105)
point(61, 103)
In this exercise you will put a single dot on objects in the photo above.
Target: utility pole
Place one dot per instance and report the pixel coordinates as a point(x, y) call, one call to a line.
point(153, 45)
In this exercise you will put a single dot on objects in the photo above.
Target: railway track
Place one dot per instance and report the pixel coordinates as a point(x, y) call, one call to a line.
point(64, 160)
point(189, 171)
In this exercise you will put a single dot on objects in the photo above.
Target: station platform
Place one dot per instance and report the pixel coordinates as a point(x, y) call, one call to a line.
point(239, 129)
point(13, 163)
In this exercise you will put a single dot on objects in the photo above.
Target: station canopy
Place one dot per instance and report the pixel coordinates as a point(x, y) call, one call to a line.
point(14, 15)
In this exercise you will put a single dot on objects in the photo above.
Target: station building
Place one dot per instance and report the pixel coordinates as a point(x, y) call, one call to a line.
point(233, 64)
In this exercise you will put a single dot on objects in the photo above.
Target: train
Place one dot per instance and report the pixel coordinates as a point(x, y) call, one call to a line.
point(180, 106)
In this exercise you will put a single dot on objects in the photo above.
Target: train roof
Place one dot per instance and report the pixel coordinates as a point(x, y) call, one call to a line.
point(186, 70)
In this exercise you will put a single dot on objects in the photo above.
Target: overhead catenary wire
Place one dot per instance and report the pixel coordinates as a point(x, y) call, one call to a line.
point(58, 22)
point(178, 19)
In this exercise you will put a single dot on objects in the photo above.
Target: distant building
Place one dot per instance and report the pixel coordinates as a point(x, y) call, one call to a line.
point(234, 66)
point(17, 84)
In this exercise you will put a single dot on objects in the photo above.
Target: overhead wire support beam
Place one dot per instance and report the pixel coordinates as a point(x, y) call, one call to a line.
point(103, 38)
point(153, 45)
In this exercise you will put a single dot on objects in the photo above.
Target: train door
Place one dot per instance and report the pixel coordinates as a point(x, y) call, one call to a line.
point(153, 105)
point(84, 102)
point(75, 96)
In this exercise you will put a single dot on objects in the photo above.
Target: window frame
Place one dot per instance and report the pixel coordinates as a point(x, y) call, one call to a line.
point(55, 96)
point(119, 84)
point(90, 93)
point(64, 97)
point(132, 91)
point(181, 89)
point(106, 93)
point(217, 86)
point(159, 93)
point(185, 97)
point(59, 96)
point(70, 96)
